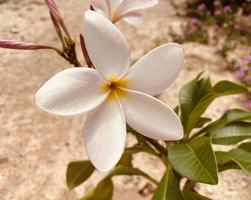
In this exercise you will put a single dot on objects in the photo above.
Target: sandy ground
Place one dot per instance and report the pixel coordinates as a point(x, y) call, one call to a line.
point(35, 147)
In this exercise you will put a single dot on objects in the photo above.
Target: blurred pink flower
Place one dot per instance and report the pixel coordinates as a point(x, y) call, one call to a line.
point(227, 9)
point(217, 2)
point(237, 65)
point(218, 12)
point(201, 6)
point(127, 10)
point(239, 74)
point(248, 78)
point(237, 26)
point(248, 105)
point(248, 58)
point(194, 21)
point(112, 94)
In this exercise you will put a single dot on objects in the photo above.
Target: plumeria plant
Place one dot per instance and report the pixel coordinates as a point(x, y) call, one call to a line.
point(118, 99)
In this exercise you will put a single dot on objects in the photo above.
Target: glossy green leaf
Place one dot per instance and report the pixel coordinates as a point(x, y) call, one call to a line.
point(228, 165)
point(129, 171)
point(241, 157)
point(234, 115)
point(231, 134)
point(202, 121)
point(205, 86)
point(245, 146)
point(103, 191)
point(189, 195)
point(168, 188)
point(189, 96)
point(78, 172)
point(194, 101)
point(228, 88)
point(195, 160)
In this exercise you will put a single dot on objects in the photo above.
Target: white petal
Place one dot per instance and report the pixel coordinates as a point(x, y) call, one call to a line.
point(100, 5)
point(132, 5)
point(134, 18)
point(106, 45)
point(72, 91)
point(114, 3)
point(151, 117)
point(105, 135)
point(153, 73)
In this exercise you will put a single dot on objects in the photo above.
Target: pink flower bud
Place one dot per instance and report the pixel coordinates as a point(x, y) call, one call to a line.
point(56, 17)
point(11, 44)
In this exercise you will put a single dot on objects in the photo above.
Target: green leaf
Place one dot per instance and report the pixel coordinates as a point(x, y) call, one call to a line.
point(202, 121)
point(168, 188)
point(141, 147)
point(78, 172)
point(245, 146)
point(205, 86)
point(189, 96)
point(228, 88)
point(189, 195)
point(103, 191)
point(241, 157)
point(195, 160)
point(194, 102)
point(227, 166)
point(234, 115)
point(125, 170)
point(231, 134)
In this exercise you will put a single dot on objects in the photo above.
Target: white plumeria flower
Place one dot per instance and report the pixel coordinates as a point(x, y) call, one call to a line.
point(123, 9)
point(113, 94)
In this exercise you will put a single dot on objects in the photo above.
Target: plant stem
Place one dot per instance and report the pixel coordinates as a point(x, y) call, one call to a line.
point(69, 53)
point(162, 150)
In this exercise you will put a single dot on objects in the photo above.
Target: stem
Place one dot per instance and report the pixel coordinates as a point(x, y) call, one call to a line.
point(85, 53)
point(152, 179)
point(162, 150)
point(69, 53)
point(189, 185)
point(158, 146)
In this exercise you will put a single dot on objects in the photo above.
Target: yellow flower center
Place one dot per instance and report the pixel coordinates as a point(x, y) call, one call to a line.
point(115, 87)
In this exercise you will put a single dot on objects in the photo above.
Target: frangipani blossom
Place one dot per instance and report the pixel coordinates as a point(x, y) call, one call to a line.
point(123, 9)
point(113, 94)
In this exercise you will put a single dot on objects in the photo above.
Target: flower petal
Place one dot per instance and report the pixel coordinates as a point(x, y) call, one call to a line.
point(133, 18)
point(151, 117)
point(132, 5)
point(72, 91)
point(106, 45)
point(114, 3)
point(100, 5)
point(153, 73)
point(105, 135)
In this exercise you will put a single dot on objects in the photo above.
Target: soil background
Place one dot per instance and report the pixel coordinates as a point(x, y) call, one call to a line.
point(36, 147)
